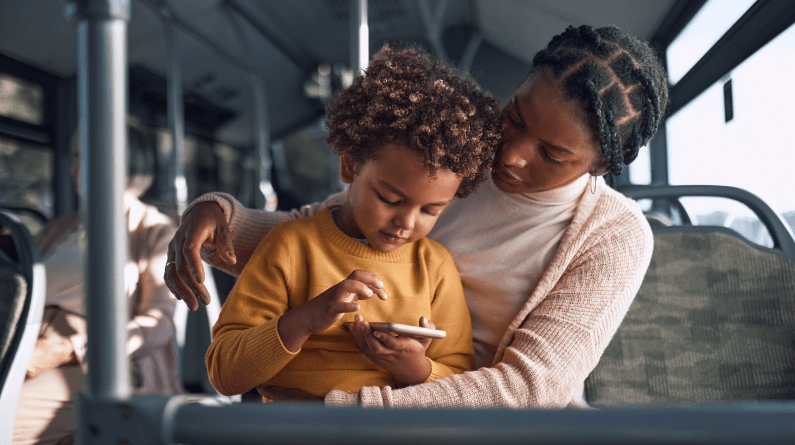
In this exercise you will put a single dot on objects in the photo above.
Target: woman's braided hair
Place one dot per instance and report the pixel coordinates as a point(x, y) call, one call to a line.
point(408, 97)
point(621, 80)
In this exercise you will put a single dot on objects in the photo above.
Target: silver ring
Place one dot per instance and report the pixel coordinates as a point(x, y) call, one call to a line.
point(170, 263)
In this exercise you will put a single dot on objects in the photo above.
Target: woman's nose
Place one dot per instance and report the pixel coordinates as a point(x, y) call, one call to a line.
point(514, 153)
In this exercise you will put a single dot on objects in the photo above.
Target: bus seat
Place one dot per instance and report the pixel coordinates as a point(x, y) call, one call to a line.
point(656, 219)
point(713, 321)
point(22, 284)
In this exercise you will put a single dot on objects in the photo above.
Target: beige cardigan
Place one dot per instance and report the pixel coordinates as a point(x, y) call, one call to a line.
point(555, 340)
point(151, 342)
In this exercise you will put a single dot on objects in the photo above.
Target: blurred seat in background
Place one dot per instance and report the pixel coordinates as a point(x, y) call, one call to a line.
point(22, 279)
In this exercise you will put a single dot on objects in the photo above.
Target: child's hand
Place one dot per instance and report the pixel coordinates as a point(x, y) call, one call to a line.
point(321, 312)
point(403, 356)
point(329, 307)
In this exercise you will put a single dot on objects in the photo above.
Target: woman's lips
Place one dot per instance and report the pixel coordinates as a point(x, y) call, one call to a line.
point(506, 175)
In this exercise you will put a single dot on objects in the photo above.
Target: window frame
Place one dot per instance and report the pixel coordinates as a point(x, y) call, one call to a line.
point(764, 21)
point(54, 129)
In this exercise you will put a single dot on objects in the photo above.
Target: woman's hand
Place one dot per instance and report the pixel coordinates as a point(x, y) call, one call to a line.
point(203, 229)
point(403, 356)
point(279, 394)
point(49, 354)
point(323, 311)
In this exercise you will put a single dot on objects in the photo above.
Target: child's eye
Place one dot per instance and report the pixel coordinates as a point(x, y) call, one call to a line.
point(386, 201)
point(549, 158)
point(428, 212)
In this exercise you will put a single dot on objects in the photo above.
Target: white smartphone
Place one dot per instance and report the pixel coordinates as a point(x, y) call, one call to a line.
point(404, 329)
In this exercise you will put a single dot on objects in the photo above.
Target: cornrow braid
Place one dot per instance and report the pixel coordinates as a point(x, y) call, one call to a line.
point(619, 78)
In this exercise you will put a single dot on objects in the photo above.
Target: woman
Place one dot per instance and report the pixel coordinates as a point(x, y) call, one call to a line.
point(46, 409)
point(549, 256)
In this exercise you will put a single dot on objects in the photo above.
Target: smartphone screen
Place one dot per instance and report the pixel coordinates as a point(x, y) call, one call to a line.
point(404, 329)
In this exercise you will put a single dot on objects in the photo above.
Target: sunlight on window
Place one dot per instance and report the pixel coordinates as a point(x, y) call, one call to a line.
point(640, 169)
point(21, 100)
point(706, 28)
point(755, 150)
point(26, 176)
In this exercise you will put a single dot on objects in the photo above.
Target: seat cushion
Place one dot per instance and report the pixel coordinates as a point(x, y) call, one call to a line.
point(714, 320)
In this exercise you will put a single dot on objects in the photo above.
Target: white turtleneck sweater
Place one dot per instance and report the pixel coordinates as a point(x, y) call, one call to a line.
point(501, 257)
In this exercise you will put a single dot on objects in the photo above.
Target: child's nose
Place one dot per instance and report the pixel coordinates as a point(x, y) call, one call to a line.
point(406, 220)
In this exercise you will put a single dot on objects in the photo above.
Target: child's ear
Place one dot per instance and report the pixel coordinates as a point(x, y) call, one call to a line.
point(347, 169)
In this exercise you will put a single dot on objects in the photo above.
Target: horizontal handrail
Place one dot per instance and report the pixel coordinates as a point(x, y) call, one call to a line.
point(779, 230)
point(253, 423)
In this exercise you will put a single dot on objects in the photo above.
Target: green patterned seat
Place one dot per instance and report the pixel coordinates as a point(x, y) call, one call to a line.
point(714, 320)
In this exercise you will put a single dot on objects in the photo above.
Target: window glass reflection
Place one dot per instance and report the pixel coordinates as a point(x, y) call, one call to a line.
point(21, 100)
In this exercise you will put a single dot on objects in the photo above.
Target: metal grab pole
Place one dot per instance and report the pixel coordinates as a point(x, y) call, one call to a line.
point(176, 119)
point(266, 198)
point(360, 37)
point(102, 113)
point(434, 25)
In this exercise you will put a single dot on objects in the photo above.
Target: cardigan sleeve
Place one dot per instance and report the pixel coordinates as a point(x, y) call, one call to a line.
point(249, 226)
point(558, 344)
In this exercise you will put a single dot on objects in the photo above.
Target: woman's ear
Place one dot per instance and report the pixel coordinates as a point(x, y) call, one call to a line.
point(347, 168)
point(601, 168)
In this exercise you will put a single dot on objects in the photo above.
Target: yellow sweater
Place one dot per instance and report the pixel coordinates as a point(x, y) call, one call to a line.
point(300, 259)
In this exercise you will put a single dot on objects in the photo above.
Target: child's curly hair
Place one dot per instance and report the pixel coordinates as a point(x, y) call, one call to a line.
point(406, 96)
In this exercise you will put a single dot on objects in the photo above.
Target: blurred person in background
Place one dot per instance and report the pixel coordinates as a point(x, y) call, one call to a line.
point(46, 409)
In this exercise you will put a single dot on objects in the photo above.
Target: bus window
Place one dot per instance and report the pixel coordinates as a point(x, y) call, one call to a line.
point(640, 169)
point(21, 100)
point(26, 180)
point(721, 212)
point(752, 148)
point(708, 25)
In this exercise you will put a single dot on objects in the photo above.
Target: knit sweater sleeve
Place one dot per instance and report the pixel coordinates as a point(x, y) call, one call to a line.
point(249, 226)
point(558, 343)
point(454, 354)
point(246, 350)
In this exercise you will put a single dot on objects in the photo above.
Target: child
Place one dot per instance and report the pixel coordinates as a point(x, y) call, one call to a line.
point(411, 136)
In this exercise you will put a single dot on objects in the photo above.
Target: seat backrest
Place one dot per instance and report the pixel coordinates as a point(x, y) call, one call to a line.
point(714, 320)
point(22, 293)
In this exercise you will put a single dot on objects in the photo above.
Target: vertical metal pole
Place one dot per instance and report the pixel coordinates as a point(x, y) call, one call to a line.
point(176, 119)
point(360, 37)
point(658, 147)
point(266, 198)
point(470, 51)
point(102, 111)
point(659, 156)
point(434, 25)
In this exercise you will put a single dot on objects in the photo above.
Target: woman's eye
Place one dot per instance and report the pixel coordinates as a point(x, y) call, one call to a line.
point(513, 121)
point(549, 158)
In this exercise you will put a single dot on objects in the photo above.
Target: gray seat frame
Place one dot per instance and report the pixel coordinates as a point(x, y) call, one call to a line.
point(783, 242)
point(14, 367)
